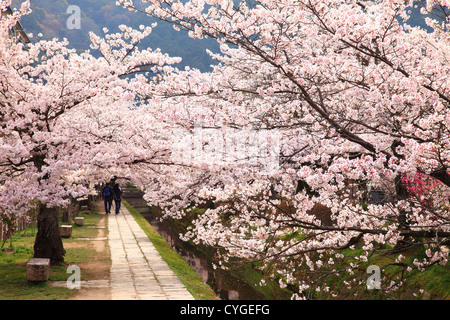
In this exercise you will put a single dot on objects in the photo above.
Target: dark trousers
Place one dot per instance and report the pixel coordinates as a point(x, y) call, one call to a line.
point(118, 204)
point(108, 203)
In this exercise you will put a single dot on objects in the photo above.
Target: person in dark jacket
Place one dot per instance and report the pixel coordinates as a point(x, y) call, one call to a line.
point(108, 198)
point(117, 194)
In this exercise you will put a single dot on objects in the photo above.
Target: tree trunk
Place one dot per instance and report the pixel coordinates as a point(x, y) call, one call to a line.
point(403, 223)
point(48, 243)
point(75, 208)
point(67, 214)
point(91, 203)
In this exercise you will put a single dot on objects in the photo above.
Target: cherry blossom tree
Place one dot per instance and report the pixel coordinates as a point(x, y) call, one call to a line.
point(66, 118)
point(360, 99)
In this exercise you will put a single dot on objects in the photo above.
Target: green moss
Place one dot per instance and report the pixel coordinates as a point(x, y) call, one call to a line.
point(434, 280)
point(271, 290)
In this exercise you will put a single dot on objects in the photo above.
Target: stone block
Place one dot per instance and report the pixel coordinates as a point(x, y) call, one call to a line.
point(79, 221)
point(38, 269)
point(65, 231)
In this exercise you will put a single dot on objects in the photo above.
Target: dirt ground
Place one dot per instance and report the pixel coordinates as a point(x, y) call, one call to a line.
point(97, 268)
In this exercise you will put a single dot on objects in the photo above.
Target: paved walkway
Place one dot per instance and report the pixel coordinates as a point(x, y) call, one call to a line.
point(138, 272)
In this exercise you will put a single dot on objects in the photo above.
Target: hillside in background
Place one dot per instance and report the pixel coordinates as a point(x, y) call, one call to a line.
point(49, 17)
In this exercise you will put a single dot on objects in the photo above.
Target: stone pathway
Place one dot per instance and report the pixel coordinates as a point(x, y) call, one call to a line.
point(138, 272)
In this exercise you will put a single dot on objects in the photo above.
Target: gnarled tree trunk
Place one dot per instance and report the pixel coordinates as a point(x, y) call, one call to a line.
point(48, 243)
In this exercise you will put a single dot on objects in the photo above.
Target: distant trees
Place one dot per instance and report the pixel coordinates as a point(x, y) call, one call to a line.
point(49, 18)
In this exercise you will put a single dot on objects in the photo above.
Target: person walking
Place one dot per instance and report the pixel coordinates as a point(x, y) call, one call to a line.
point(107, 197)
point(117, 193)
